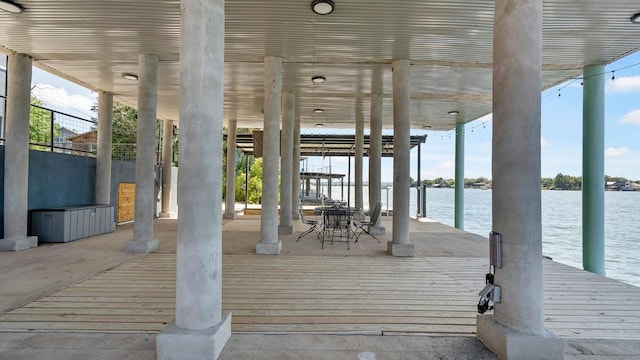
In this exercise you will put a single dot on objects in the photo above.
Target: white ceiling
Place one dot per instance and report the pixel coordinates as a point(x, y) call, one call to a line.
point(449, 43)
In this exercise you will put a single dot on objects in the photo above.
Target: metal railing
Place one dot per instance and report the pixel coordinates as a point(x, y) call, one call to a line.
point(55, 131)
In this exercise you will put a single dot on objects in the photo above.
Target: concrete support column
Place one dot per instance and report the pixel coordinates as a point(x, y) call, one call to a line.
point(358, 162)
point(593, 170)
point(201, 329)
point(516, 329)
point(230, 196)
point(167, 164)
point(143, 240)
point(400, 245)
point(103, 157)
point(286, 160)
point(459, 189)
point(295, 169)
point(16, 156)
point(269, 242)
point(375, 159)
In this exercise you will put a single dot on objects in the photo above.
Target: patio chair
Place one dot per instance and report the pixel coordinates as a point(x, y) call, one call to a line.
point(363, 226)
point(313, 226)
point(337, 223)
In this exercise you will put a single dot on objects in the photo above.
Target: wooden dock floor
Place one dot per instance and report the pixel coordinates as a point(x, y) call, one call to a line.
point(330, 295)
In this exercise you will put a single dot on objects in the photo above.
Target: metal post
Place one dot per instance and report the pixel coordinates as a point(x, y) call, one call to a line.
point(593, 170)
point(51, 129)
point(418, 184)
point(459, 189)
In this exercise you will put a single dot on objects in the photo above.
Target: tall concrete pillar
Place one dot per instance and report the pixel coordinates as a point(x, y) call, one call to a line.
point(269, 242)
point(167, 165)
point(516, 329)
point(459, 189)
point(286, 160)
point(230, 196)
point(400, 245)
point(593, 170)
point(295, 168)
point(358, 162)
point(143, 240)
point(103, 157)
point(201, 329)
point(375, 159)
point(16, 156)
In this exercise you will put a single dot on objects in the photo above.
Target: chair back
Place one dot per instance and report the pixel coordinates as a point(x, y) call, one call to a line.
point(304, 220)
point(375, 214)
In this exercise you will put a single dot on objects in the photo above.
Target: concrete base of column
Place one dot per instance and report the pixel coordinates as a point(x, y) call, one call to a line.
point(18, 244)
point(283, 229)
point(140, 246)
point(166, 214)
point(377, 230)
point(269, 249)
point(510, 344)
point(229, 216)
point(401, 250)
point(174, 343)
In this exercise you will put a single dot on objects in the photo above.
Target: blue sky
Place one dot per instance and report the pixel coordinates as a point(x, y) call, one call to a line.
point(561, 129)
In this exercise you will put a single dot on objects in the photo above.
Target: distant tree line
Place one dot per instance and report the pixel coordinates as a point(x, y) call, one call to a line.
point(559, 182)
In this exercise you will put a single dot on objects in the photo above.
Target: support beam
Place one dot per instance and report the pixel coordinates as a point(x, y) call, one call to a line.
point(295, 168)
point(516, 329)
point(167, 167)
point(201, 329)
point(103, 157)
point(286, 167)
point(230, 196)
point(593, 170)
point(358, 161)
point(143, 241)
point(269, 243)
point(375, 159)
point(400, 245)
point(16, 156)
point(459, 189)
point(418, 182)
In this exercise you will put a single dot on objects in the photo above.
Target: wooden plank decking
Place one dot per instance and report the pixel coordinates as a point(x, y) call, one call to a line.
point(320, 294)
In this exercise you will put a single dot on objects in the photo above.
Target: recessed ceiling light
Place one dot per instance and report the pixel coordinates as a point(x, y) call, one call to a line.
point(318, 79)
point(453, 112)
point(130, 76)
point(322, 7)
point(426, 127)
point(11, 7)
point(318, 111)
point(635, 19)
point(319, 125)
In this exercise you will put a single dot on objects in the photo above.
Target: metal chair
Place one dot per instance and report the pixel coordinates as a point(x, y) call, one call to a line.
point(337, 222)
point(313, 225)
point(362, 226)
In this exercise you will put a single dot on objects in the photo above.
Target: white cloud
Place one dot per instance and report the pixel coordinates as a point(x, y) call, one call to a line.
point(632, 117)
point(544, 143)
point(59, 99)
point(624, 84)
point(444, 169)
point(613, 152)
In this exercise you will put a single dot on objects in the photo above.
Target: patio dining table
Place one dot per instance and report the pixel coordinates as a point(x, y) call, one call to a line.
point(336, 223)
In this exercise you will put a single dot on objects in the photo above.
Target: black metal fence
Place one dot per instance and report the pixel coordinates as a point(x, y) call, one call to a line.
point(55, 131)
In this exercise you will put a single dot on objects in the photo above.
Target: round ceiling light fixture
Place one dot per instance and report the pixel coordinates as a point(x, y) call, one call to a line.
point(426, 127)
point(318, 125)
point(318, 79)
point(10, 6)
point(318, 110)
point(453, 112)
point(130, 76)
point(635, 19)
point(322, 7)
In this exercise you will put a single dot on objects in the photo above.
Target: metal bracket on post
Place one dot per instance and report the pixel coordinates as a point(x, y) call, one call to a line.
point(495, 249)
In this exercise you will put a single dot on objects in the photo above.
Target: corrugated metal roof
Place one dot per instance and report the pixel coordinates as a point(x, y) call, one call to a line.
point(449, 44)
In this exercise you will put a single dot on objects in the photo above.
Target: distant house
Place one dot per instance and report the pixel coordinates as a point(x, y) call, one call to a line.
point(85, 142)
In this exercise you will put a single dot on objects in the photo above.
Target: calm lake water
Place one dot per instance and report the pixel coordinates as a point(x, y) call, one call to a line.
point(561, 224)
